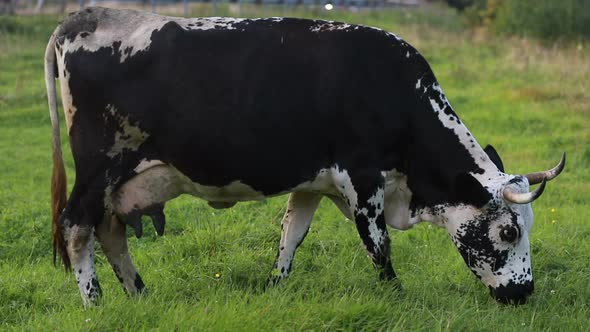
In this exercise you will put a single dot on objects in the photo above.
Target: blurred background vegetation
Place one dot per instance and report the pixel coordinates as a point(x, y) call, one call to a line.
point(546, 20)
point(543, 19)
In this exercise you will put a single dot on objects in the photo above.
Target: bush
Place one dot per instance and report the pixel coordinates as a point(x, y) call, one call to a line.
point(461, 4)
point(544, 19)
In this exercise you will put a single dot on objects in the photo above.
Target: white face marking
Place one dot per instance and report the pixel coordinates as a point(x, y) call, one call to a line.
point(464, 223)
point(476, 233)
point(129, 138)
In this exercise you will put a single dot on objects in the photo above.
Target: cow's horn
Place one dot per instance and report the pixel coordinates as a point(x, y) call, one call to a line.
point(535, 178)
point(519, 198)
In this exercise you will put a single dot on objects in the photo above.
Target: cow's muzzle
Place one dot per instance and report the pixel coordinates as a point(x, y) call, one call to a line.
point(513, 293)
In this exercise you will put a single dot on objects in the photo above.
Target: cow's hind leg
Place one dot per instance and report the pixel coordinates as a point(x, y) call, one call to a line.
point(364, 193)
point(80, 222)
point(77, 225)
point(111, 235)
point(295, 225)
point(80, 247)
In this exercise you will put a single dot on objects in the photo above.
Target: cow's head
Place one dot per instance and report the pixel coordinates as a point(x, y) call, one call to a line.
point(492, 232)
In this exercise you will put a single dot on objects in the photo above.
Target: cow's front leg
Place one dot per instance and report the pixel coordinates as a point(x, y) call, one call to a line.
point(80, 247)
point(366, 197)
point(295, 225)
point(111, 235)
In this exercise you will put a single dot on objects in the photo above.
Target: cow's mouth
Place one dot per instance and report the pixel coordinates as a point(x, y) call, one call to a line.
point(513, 293)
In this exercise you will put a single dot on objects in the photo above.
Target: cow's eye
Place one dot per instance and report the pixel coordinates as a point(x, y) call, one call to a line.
point(509, 234)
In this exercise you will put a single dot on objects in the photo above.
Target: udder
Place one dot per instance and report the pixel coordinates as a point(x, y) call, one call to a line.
point(145, 194)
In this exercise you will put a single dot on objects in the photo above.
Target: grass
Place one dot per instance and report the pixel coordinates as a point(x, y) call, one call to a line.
point(530, 101)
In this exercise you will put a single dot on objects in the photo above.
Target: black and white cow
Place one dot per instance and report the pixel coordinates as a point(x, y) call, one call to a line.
point(233, 110)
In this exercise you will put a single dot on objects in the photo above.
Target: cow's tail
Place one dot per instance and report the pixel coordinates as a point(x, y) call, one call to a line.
point(58, 179)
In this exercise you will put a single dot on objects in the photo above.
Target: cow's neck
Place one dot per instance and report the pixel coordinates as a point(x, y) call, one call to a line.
point(442, 148)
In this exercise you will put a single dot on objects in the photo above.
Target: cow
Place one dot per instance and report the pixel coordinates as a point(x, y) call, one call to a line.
point(233, 110)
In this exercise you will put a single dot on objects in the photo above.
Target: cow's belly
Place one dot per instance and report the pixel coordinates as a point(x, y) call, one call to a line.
point(158, 183)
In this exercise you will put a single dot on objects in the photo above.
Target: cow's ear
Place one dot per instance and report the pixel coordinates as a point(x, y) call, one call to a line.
point(468, 190)
point(495, 157)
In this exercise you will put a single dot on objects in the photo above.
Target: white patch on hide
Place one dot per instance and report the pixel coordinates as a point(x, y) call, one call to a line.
point(397, 201)
point(161, 183)
point(462, 133)
point(377, 201)
point(130, 137)
point(328, 26)
point(80, 247)
point(343, 183)
point(207, 23)
point(133, 30)
point(108, 198)
point(145, 164)
point(322, 183)
point(295, 225)
point(66, 94)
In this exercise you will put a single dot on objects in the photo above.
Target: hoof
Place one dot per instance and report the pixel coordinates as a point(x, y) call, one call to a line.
point(274, 278)
point(397, 285)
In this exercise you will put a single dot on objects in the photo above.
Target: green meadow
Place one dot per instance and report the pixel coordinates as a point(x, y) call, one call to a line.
point(530, 100)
